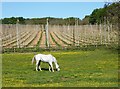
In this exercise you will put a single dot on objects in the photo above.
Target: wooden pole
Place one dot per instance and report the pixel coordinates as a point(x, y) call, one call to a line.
point(17, 33)
point(47, 37)
point(100, 35)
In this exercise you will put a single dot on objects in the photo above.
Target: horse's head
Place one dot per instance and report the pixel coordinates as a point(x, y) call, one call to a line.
point(57, 67)
point(56, 64)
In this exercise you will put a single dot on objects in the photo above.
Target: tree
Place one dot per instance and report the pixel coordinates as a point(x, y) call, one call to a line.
point(13, 20)
point(110, 13)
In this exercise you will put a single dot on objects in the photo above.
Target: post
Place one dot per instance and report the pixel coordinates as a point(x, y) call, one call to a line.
point(100, 34)
point(73, 36)
point(47, 37)
point(85, 37)
point(17, 33)
point(76, 31)
point(108, 32)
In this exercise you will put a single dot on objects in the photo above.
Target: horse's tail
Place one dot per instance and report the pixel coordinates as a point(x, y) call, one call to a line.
point(33, 59)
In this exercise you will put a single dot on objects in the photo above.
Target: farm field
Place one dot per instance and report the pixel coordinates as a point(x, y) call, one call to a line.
point(98, 68)
point(20, 36)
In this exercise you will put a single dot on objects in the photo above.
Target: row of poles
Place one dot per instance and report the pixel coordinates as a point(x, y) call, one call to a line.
point(18, 37)
point(47, 30)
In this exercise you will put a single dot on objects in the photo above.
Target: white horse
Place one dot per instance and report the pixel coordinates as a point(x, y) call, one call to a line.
point(45, 58)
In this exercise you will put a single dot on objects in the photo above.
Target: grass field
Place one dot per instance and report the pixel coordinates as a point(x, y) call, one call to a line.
point(98, 68)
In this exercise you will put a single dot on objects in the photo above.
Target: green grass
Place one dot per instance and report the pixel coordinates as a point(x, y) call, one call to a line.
point(97, 68)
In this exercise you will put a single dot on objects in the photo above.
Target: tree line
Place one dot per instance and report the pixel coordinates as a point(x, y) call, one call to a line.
point(108, 14)
point(52, 20)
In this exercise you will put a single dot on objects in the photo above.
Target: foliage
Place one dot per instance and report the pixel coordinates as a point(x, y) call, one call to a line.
point(97, 16)
point(85, 20)
point(52, 21)
point(110, 13)
point(13, 20)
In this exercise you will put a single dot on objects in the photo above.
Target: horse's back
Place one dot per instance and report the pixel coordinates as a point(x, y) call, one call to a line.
point(44, 58)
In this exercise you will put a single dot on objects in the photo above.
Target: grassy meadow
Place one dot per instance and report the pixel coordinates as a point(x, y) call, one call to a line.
point(98, 68)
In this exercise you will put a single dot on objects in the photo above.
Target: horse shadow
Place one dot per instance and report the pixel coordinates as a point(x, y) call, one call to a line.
point(45, 69)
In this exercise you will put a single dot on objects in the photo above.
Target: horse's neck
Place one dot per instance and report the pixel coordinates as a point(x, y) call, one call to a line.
point(56, 64)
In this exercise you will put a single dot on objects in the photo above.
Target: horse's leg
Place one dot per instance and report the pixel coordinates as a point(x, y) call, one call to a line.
point(37, 62)
point(40, 68)
point(51, 67)
point(39, 65)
